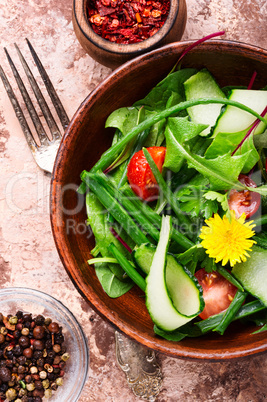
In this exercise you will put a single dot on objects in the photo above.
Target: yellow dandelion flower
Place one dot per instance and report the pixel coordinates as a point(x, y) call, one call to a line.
point(227, 240)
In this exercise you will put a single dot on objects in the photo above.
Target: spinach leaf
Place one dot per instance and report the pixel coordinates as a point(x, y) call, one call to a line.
point(156, 134)
point(172, 84)
point(97, 218)
point(124, 119)
point(111, 284)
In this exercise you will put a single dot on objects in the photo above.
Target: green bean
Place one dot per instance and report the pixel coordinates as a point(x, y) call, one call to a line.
point(142, 213)
point(212, 322)
point(82, 188)
point(116, 210)
point(168, 194)
point(229, 277)
point(154, 218)
point(231, 312)
point(108, 156)
point(127, 205)
point(128, 267)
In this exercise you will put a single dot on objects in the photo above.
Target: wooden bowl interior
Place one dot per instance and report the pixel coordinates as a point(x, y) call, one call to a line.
point(86, 139)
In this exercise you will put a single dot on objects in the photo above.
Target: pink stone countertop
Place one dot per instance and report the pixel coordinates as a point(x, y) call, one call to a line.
point(28, 256)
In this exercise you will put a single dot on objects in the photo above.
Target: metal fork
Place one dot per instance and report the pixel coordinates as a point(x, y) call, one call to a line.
point(45, 152)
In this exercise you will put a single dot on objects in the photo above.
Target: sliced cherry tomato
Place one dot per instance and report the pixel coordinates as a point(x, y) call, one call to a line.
point(217, 292)
point(140, 176)
point(244, 201)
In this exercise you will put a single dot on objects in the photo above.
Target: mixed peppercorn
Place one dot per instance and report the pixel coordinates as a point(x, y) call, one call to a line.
point(127, 22)
point(32, 357)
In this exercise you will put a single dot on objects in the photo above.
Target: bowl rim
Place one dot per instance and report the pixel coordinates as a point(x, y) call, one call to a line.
point(79, 14)
point(128, 329)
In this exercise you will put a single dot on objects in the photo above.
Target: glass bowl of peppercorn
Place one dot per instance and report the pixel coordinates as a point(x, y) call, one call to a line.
point(43, 350)
point(115, 31)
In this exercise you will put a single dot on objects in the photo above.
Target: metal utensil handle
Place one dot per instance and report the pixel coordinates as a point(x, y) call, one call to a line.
point(140, 366)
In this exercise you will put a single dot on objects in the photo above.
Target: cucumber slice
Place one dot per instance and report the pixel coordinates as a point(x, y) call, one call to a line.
point(203, 85)
point(158, 302)
point(178, 299)
point(252, 274)
point(143, 256)
point(233, 119)
point(183, 288)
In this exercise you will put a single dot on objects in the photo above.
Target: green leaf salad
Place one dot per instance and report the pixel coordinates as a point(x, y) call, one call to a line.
point(204, 229)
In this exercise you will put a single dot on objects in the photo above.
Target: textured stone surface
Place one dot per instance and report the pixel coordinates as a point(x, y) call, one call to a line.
point(27, 252)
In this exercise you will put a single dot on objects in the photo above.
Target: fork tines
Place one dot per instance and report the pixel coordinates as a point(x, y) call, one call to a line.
point(51, 123)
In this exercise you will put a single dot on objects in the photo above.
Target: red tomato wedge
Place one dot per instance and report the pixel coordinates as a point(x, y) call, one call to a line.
point(140, 176)
point(245, 201)
point(217, 292)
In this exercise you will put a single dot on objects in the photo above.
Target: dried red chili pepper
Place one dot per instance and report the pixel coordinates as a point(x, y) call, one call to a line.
point(127, 22)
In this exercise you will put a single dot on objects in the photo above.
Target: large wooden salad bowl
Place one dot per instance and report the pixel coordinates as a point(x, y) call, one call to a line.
point(231, 63)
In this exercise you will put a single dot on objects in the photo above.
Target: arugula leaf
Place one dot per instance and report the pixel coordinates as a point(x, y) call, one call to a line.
point(222, 171)
point(262, 190)
point(181, 129)
point(224, 143)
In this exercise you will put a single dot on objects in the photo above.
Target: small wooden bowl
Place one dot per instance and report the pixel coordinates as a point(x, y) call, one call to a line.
point(113, 54)
point(231, 63)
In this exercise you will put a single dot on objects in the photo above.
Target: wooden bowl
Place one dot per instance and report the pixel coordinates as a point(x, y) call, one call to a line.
point(231, 63)
point(113, 54)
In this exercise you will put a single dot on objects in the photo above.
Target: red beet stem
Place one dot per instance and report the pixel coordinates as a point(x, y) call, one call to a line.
point(255, 124)
point(115, 234)
point(254, 75)
point(198, 42)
